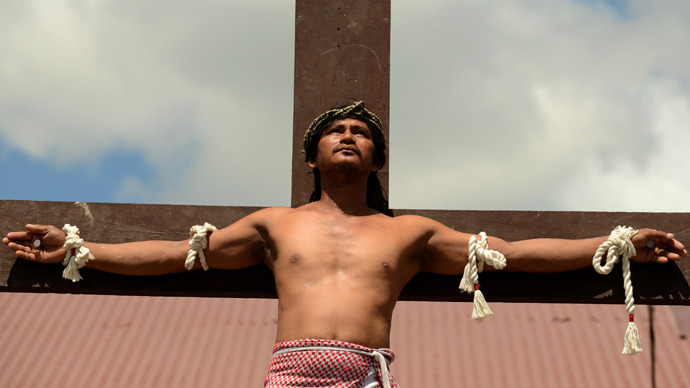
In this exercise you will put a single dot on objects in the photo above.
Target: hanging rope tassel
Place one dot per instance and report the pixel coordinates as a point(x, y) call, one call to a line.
point(632, 343)
point(197, 245)
point(480, 308)
point(479, 253)
point(619, 246)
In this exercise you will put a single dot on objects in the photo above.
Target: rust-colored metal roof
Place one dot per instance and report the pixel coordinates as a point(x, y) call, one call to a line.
point(534, 345)
point(52, 340)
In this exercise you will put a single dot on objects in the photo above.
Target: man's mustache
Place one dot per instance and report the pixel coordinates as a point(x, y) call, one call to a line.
point(348, 147)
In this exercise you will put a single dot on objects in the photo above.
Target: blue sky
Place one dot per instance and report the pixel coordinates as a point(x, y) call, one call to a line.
point(526, 105)
point(30, 178)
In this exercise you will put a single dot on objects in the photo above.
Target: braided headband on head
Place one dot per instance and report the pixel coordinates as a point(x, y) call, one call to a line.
point(356, 110)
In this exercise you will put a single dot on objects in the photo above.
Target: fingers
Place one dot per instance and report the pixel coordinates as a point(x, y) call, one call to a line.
point(22, 251)
point(37, 229)
point(37, 243)
point(40, 235)
point(666, 242)
point(669, 240)
point(19, 236)
point(664, 256)
point(40, 255)
point(28, 234)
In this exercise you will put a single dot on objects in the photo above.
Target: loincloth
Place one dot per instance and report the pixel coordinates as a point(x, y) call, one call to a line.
point(328, 363)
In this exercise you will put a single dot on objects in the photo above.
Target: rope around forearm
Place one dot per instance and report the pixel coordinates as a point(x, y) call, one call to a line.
point(478, 254)
point(197, 245)
point(619, 247)
point(76, 254)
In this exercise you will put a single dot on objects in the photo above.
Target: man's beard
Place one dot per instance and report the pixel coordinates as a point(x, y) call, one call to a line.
point(346, 169)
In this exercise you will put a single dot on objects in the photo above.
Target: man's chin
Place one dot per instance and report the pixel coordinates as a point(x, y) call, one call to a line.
point(347, 168)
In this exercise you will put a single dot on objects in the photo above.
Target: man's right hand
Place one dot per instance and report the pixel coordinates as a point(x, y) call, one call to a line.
point(48, 251)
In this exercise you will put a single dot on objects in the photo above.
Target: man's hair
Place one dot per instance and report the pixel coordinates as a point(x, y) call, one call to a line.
point(376, 197)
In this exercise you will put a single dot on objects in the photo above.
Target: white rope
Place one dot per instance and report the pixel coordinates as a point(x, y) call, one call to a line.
point(619, 247)
point(77, 255)
point(198, 244)
point(479, 253)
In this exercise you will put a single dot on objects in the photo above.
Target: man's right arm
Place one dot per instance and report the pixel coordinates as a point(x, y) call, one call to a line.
point(237, 246)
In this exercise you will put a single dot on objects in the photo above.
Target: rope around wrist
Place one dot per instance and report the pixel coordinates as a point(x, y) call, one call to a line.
point(77, 255)
point(479, 253)
point(197, 245)
point(619, 246)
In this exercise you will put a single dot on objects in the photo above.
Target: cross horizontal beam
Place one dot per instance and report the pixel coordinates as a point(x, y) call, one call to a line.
point(342, 52)
point(116, 223)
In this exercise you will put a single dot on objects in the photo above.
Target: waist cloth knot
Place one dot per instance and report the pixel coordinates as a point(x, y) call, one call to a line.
point(319, 363)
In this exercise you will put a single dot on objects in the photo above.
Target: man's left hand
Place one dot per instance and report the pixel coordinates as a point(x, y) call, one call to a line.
point(655, 246)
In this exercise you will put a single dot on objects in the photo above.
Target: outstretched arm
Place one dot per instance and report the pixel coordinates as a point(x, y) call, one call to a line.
point(447, 251)
point(558, 255)
point(237, 246)
point(44, 244)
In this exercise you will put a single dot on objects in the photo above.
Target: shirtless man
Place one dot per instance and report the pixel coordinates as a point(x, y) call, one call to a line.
point(339, 265)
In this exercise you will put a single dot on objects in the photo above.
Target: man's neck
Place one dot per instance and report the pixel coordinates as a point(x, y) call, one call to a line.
point(349, 198)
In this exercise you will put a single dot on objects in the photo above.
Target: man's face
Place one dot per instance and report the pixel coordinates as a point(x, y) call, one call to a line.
point(346, 143)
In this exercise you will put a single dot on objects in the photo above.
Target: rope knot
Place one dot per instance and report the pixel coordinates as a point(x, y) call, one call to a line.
point(619, 247)
point(197, 244)
point(76, 254)
point(479, 253)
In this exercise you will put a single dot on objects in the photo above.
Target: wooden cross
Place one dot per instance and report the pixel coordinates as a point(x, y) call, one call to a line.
point(342, 51)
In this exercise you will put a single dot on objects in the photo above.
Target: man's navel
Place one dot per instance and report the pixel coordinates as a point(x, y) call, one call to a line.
point(295, 259)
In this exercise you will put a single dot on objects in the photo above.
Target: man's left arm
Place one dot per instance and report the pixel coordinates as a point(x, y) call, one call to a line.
point(447, 251)
point(559, 255)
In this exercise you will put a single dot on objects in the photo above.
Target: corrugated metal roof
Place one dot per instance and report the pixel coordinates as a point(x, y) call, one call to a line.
point(534, 345)
point(682, 316)
point(121, 341)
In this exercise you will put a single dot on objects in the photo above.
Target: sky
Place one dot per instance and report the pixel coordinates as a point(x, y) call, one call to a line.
point(495, 105)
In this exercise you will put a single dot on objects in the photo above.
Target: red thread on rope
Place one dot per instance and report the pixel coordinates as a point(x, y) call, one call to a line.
point(632, 318)
point(476, 287)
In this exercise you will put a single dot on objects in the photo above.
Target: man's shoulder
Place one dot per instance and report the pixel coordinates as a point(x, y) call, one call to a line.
point(280, 213)
point(412, 219)
point(272, 212)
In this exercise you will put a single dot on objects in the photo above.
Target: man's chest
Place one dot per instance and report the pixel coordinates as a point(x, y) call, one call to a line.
point(352, 245)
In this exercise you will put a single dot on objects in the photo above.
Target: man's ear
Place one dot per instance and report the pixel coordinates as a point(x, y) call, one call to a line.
point(312, 164)
point(377, 164)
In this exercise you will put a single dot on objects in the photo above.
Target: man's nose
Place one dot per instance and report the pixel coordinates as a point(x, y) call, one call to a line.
point(347, 136)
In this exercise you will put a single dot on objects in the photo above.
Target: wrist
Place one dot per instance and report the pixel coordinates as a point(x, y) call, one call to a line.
point(76, 254)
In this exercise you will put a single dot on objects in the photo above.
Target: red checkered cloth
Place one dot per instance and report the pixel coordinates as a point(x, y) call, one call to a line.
point(320, 363)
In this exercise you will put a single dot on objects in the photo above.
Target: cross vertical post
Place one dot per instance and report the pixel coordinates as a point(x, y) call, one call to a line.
point(350, 60)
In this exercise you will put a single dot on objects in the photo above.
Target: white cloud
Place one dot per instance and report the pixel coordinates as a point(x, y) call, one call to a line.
point(549, 105)
point(539, 105)
point(188, 84)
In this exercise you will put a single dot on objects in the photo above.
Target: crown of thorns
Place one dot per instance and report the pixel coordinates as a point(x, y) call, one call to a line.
point(356, 110)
